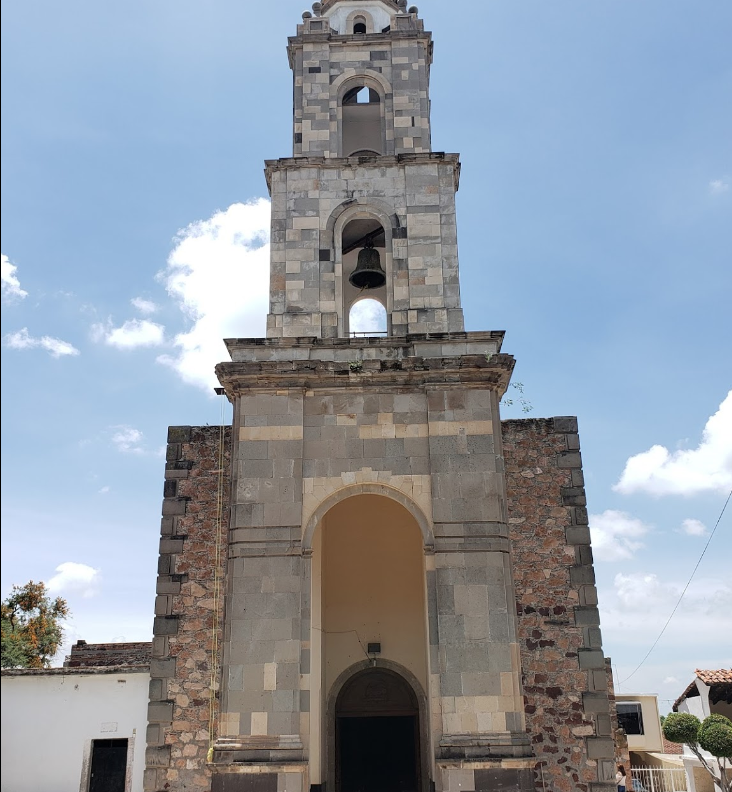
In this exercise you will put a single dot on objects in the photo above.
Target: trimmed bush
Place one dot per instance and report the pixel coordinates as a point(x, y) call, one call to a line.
point(681, 727)
point(715, 736)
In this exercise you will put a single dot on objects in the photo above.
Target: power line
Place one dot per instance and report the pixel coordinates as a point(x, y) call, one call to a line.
point(676, 607)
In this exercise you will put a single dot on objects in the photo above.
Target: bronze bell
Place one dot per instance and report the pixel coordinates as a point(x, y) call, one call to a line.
point(368, 273)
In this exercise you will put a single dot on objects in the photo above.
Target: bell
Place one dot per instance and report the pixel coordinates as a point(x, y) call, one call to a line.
point(368, 273)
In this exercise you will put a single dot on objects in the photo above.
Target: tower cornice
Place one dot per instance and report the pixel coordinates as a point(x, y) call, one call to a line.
point(415, 360)
point(375, 162)
point(295, 43)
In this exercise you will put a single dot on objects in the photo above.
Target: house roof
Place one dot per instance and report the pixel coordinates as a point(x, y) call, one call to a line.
point(720, 682)
point(673, 749)
point(713, 677)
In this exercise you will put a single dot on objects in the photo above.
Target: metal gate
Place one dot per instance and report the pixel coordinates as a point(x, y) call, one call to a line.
point(659, 779)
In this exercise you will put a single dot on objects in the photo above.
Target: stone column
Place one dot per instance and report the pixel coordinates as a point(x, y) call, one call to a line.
point(260, 722)
point(478, 654)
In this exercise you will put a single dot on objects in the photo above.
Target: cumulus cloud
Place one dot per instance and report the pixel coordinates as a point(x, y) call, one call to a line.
point(132, 334)
point(10, 284)
point(54, 346)
point(144, 306)
point(646, 593)
point(75, 578)
point(218, 273)
point(104, 490)
point(367, 316)
point(128, 440)
point(708, 467)
point(694, 528)
point(718, 186)
point(615, 535)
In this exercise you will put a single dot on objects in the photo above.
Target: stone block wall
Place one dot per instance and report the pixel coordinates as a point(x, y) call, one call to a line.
point(187, 611)
point(312, 201)
point(396, 64)
point(567, 701)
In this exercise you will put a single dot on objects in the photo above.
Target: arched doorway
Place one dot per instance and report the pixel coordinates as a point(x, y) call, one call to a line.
point(377, 734)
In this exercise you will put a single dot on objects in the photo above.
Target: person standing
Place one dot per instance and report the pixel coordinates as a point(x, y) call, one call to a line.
point(621, 778)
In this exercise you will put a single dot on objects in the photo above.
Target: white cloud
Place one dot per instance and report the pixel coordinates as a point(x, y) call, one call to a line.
point(671, 680)
point(694, 528)
point(132, 334)
point(366, 316)
point(144, 306)
point(104, 490)
point(10, 284)
point(218, 273)
point(639, 605)
point(615, 535)
point(718, 186)
point(128, 440)
point(54, 346)
point(645, 593)
point(75, 578)
point(659, 471)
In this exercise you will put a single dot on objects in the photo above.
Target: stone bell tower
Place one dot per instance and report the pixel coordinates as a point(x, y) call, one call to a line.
point(374, 629)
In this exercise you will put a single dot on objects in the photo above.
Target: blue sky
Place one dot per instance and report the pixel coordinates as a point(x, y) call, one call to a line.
point(595, 221)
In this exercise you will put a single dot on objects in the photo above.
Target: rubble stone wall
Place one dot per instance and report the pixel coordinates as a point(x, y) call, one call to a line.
point(568, 709)
point(84, 655)
point(187, 611)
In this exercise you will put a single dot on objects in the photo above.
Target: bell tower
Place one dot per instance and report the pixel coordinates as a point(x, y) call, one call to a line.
point(362, 176)
point(397, 561)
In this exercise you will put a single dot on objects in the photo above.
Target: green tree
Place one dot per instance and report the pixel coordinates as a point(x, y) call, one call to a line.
point(31, 626)
point(713, 735)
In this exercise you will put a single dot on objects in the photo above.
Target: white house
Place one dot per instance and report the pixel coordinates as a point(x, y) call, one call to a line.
point(709, 693)
point(80, 727)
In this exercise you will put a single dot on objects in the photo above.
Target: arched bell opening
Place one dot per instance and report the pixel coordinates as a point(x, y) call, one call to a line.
point(369, 611)
point(367, 317)
point(364, 274)
point(362, 120)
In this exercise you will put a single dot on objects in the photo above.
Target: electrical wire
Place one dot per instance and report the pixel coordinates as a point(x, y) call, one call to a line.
point(688, 583)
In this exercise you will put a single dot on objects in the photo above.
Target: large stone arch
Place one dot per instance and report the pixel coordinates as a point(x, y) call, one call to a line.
point(374, 488)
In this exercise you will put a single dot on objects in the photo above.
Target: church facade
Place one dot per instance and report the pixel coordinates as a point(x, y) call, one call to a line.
point(369, 582)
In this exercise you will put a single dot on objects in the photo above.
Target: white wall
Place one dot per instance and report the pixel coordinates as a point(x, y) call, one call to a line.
point(49, 719)
point(380, 14)
point(651, 739)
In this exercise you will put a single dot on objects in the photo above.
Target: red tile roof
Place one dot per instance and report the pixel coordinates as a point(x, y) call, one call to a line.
point(721, 677)
point(715, 677)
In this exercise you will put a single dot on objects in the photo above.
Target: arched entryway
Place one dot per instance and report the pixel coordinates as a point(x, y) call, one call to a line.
point(377, 734)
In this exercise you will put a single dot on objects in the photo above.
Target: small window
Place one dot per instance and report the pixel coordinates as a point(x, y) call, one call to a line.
point(630, 717)
point(359, 24)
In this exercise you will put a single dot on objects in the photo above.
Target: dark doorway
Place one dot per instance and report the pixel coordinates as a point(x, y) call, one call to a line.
point(377, 741)
point(108, 766)
point(378, 754)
